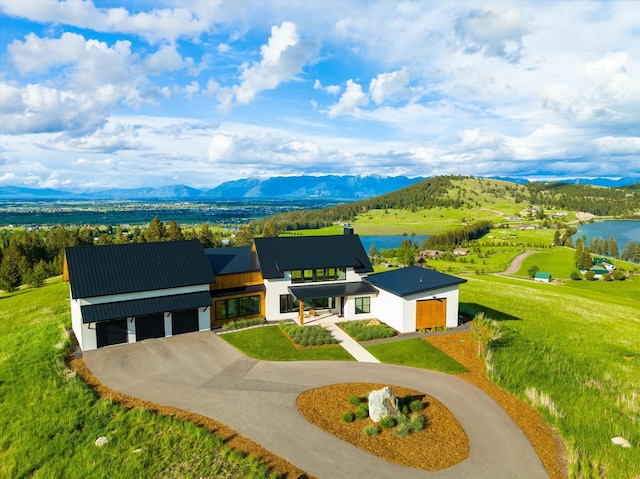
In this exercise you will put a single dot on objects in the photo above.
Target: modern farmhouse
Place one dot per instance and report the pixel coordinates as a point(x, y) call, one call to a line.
point(131, 292)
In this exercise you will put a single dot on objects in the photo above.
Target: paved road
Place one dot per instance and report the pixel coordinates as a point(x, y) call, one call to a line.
point(200, 372)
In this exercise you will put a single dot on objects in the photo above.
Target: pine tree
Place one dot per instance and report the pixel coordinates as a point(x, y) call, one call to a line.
point(174, 232)
point(10, 276)
point(613, 247)
point(156, 231)
point(578, 254)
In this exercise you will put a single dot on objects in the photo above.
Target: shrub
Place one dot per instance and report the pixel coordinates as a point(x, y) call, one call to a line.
point(416, 422)
point(387, 422)
point(416, 405)
point(302, 342)
point(242, 323)
point(402, 430)
point(618, 275)
point(347, 416)
point(362, 412)
point(354, 400)
point(371, 430)
point(575, 276)
point(359, 330)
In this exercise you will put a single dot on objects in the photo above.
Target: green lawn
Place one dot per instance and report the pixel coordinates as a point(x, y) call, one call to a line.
point(269, 343)
point(558, 261)
point(416, 353)
point(49, 420)
point(581, 348)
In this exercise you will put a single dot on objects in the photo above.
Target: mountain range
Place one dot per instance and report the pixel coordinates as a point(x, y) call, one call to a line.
point(292, 187)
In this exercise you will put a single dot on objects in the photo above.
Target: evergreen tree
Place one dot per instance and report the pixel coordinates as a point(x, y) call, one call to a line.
point(587, 261)
point(244, 237)
point(156, 231)
point(269, 230)
point(174, 232)
point(578, 254)
point(407, 253)
point(206, 236)
point(556, 238)
point(613, 247)
point(10, 276)
point(38, 275)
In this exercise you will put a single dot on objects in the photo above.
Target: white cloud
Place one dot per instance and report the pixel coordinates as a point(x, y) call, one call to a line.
point(221, 148)
point(155, 25)
point(350, 101)
point(496, 32)
point(389, 85)
point(283, 57)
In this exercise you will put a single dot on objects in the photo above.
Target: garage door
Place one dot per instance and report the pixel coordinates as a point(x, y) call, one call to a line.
point(111, 332)
point(184, 321)
point(431, 313)
point(151, 326)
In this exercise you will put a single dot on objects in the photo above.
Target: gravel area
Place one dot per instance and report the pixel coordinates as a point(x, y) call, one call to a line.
point(544, 439)
point(441, 444)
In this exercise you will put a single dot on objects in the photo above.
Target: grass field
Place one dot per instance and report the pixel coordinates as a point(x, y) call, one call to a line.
point(49, 419)
point(415, 353)
point(575, 353)
point(270, 344)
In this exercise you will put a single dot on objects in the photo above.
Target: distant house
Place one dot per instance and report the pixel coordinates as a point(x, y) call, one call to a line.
point(460, 251)
point(604, 263)
point(542, 277)
point(598, 271)
point(131, 292)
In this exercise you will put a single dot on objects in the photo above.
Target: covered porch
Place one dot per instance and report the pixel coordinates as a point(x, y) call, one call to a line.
point(332, 300)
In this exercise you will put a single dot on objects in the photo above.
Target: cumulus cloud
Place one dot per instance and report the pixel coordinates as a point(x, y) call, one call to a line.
point(283, 57)
point(608, 93)
point(352, 98)
point(389, 85)
point(155, 25)
point(495, 33)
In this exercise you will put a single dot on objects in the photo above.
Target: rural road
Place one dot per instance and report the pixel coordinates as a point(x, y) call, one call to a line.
point(202, 373)
point(517, 262)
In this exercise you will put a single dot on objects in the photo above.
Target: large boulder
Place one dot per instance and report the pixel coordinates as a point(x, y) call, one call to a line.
point(382, 403)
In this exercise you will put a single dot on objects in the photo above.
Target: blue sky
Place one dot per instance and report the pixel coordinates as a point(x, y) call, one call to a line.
point(110, 94)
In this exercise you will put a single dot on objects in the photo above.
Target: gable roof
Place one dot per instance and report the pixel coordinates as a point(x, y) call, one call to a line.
point(280, 254)
point(135, 267)
point(542, 275)
point(239, 259)
point(412, 280)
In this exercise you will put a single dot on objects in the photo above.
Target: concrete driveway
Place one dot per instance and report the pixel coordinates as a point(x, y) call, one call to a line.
point(200, 372)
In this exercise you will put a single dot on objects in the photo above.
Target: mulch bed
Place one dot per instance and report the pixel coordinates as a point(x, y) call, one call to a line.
point(231, 438)
point(441, 444)
point(544, 439)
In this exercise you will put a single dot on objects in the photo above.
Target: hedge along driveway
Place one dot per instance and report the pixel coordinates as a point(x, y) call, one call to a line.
point(202, 373)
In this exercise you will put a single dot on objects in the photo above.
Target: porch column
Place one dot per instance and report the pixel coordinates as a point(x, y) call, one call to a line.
point(301, 312)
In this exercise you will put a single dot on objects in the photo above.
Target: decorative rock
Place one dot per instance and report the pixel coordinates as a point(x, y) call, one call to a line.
point(101, 441)
point(373, 322)
point(620, 441)
point(382, 403)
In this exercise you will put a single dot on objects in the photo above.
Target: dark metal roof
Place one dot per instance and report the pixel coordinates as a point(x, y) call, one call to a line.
point(130, 268)
point(326, 290)
point(232, 260)
point(412, 280)
point(254, 288)
point(280, 254)
point(138, 307)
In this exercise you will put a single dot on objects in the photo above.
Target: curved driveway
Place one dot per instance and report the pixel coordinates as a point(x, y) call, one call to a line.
point(202, 373)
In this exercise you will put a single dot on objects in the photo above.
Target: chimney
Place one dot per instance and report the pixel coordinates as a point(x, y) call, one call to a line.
point(348, 229)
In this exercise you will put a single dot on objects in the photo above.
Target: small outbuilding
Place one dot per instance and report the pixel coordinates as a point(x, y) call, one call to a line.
point(542, 277)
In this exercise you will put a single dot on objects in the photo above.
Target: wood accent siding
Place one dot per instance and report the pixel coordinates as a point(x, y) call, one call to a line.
point(239, 279)
point(233, 281)
point(431, 313)
point(65, 269)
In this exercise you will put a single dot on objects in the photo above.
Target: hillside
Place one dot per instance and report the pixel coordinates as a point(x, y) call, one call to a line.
point(452, 200)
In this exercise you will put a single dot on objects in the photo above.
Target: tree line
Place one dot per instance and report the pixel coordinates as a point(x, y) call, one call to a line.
point(30, 256)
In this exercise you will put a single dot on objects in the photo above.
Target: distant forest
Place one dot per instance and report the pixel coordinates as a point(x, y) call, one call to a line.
point(446, 192)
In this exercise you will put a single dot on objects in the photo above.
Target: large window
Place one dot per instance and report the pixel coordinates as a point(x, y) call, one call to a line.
point(318, 274)
point(289, 304)
point(237, 307)
point(363, 305)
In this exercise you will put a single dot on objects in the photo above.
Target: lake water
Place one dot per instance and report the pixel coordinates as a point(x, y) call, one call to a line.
point(388, 242)
point(622, 230)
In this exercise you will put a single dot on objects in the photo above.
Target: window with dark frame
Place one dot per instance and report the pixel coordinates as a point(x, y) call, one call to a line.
point(363, 305)
point(237, 307)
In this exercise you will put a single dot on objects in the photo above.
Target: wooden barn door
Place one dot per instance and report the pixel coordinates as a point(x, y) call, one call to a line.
point(431, 313)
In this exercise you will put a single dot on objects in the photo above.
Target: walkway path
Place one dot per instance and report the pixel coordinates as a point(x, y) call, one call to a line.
point(200, 372)
point(351, 345)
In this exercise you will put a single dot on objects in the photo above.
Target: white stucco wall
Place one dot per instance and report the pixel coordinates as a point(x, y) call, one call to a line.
point(400, 313)
point(204, 319)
